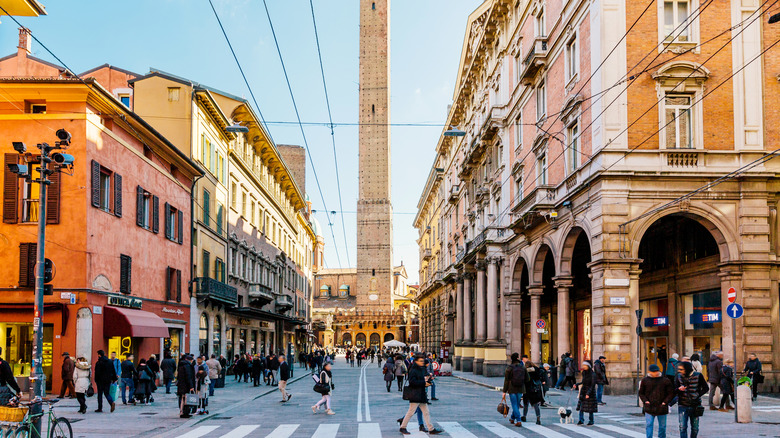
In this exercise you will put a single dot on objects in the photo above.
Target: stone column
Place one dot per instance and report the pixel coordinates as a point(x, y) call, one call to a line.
point(563, 284)
point(535, 293)
point(515, 335)
point(459, 311)
point(467, 344)
point(492, 300)
point(481, 303)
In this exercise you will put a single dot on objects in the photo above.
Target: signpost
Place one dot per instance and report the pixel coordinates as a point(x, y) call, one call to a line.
point(732, 295)
point(540, 325)
point(734, 311)
point(639, 313)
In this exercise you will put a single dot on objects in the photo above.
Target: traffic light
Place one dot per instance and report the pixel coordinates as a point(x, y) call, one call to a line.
point(48, 276)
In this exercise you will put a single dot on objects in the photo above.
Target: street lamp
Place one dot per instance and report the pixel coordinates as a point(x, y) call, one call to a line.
point(236, 128)
point(453, 131)
point(774, 18)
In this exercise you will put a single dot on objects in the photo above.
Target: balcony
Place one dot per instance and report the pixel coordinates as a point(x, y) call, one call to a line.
point(454, 194)
point(535, 60)
point(284, 303)
point(215, 291)
point(426, 255)
point(260, 294)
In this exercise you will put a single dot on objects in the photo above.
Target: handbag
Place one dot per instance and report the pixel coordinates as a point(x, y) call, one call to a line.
point(321, 388)
point(698, 411)
point(191, 399)
point(502, 408)
point(90, 389)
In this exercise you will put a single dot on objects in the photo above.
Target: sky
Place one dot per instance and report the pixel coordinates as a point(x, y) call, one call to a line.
point(182, 37)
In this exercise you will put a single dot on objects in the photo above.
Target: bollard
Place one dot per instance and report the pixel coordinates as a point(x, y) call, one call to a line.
point(744, 404)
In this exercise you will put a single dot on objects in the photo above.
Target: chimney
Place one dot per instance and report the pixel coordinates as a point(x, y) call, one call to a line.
point(25, 42)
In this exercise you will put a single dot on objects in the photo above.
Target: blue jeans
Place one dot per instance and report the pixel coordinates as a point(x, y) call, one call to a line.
point(599, 392)
point(514, 400)
point(127, 382)
point(168, 381)
point(211, 387)
point(560, 380)
point(590, 417)
point(684, 413)
point(661, 425)
point(433, 390)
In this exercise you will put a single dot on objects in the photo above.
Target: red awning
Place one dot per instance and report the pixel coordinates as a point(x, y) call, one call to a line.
point(133, 323)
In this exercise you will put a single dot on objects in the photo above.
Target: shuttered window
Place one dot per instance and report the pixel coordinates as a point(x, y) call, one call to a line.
point(206, 208)
point(106, 190)
point(174, 224)
point(27, 258)
point(10, 190)
point(23, 204)
point(173, 284)
point(125, 273)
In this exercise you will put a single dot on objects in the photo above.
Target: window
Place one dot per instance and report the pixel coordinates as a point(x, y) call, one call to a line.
point(220, 219)
point(541, 169)
point(28, 253)
point(234, 195)
point(219, 269)
point(252, 212)
point(125, 273)
point(243, 204)
point(541, 102)
point(172, 284)
point(220, 168)
point(205, 158)
point(539, 26)
point(174, 224)
point(206, 208)
point(519, 186)
point(106, 189)
point(148, 210)
point(173, 94)
point(675, 16)
point(519, 134)
point(324, 291)
point(125, 99)
point(206, 264)
point(573, 151)
point(38, 108)
point(677, 120)
point(233, 261)
point(572, 59)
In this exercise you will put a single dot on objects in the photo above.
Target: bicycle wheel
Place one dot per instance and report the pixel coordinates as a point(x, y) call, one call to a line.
point(21, 432)
point(60, 428)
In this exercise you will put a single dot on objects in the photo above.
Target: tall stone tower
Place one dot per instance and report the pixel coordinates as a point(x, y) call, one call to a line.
point(374, 211)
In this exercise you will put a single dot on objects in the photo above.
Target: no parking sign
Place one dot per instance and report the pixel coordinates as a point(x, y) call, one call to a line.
point(540, 325)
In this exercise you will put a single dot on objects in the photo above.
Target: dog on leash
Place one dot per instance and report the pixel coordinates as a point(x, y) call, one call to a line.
point(565, 414)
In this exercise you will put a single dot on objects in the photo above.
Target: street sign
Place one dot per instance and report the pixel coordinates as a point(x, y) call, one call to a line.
point(540, 324)
point(732, 295)
point(734, 310)
point(435, 365)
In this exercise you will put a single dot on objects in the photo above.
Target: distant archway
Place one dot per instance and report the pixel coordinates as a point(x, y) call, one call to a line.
point(360, 340)
point(389, 337)
point(346, 339)
point(374, 340)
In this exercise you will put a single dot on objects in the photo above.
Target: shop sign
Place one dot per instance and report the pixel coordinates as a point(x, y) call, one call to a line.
point(705, 318)
point(132, 303)
point(97, 310)
point(617, 301)
point(244, 321)
point(658, 321)
point(173, 311)
point(265, 324)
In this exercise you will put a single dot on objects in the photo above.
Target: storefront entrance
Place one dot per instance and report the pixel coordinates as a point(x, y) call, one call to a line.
point(655, 352)
point(17, 342)
point(172, 344)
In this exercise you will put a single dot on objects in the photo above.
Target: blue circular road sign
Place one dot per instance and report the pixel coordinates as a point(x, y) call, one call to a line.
point(734, 310)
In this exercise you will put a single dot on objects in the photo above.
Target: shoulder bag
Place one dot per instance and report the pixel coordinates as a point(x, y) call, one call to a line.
point(502, 408)
point(90, 389)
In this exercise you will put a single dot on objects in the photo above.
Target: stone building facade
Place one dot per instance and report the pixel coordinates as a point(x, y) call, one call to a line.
point(603, 172)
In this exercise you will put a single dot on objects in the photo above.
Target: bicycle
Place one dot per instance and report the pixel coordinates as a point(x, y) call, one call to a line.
point(59, 427)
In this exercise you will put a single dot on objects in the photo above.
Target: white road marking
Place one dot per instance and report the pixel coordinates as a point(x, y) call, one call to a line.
point(584, 430)
point(283, 431)
point(541, 430)
point(414, 430)
point(326, 431)
point(621, 431)
point(365, 388)
point(499, 430)
point(369, 430)
point(241, 431)
point(199, 432)
point(360, 400)
point(456, 430)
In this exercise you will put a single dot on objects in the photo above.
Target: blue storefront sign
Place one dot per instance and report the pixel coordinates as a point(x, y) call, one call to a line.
point(705, 317)
point(658, 321)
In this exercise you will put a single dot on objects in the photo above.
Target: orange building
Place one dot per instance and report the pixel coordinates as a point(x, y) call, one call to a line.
point(119, 226)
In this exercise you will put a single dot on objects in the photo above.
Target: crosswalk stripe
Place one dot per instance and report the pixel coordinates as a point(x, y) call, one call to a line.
point(414, 430)
point(499, 430)
point(621, 431)
point(241, 431)
point(543, 431)
point(584, 431)
point(369, 430)
point(456, 430)
point(632, 421)
point(199, 432)
point(283, 431)
point(326, 431)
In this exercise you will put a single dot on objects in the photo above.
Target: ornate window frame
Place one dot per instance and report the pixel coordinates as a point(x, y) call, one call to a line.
point(683, 78)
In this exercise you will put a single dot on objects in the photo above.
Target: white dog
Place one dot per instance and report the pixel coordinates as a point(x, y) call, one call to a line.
point(565, 414)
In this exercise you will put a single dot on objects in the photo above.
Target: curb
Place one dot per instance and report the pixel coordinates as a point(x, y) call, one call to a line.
point(475, 382)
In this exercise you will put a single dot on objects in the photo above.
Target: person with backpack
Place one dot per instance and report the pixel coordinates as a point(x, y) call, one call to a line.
point(587, 399)
point(655, 392)
point(571, 371)
point(671, 367)
point(389, 373)
point(143, 383)
point(326, 382)
point(690, 387)
point(514, 387)
point(400, 371)
point(533, 390)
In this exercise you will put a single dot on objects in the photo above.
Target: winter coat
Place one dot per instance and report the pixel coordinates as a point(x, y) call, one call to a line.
point(753, 368)
point(68, 368)
point(656, 393)
point(509, 388)
point(153, 365)
point(696, 366)
point(587, 388)
point(128, 369)
point(82, 375)
point(105, 373)
point(571, 367)
point(284, 371)
point(533, 385)
point(326, 379)
point(671, 367)
point(143, 386)
point(695, 387)
point(390, 373)
point(400, 368)
point(215, 368)
point(726, 380)
point(168, 367)
point(417, 380)
point(600, 373)
point(714, 369)
point(186, 378)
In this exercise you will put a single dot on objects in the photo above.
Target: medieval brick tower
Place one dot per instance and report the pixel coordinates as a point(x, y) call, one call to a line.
point(374, 211)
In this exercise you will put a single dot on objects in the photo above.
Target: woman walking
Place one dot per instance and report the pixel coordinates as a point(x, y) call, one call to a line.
point(533, 391)
point(727, 386)
point(417, 396)
point(753, 370)
point(143, 386)
point(326, 378)
point(400, 371)
point(82, 376)
point(696, 363)
point(389, 372)
point(587, 399)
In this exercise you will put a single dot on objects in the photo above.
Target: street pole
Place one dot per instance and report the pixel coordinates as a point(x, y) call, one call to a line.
point(38, 377)
point(639, 313)
point(734, 340)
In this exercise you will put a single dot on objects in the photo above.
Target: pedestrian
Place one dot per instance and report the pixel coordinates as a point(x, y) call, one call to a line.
point(237, 367)
point(284, 376)
point(348, 356)
point(656, 392)
point(705, 357)
point(326, 378)
point(418, 398)
point(727, 386)
point(273, 365)
point(754, 371)
point(690, 386)
point(215, 370)
point(202, 384)
point(389, 373)
point(661, 356)
point(429, 368)
point(68, 366)
point(248, 369)
point(696, 362)
point(545, 370)
point(168, 368)
point(185, 384)
point(571, 371)
point(82, 379)
point(587, 399)
point(7, 382)
point(515, 376)
point(671, 367)
point(154, 367)
point(714, 368)
point(561, 372)
point(257, 370)
point(128, 379)
point(116, 363)
point(400, 371)
point(105, 376)
point(600, 377)
point(144, 382)
point(533, 390)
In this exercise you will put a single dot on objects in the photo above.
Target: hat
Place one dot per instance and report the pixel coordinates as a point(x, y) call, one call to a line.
point(654, 368)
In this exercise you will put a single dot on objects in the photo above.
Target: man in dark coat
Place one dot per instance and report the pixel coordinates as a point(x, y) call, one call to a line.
point(714, 374)
point(185, 384)
point(68, 366)
point(105, 375)
point(168, 367)
point(128, 376)
point(571, 371)
point(284, 376)
point(656, 392)
point(600, 377)
point(515, 376)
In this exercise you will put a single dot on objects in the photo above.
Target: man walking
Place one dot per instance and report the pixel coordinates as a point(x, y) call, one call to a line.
point(514, 386)
point(68, 366)
point(185, 384)
point(571, 371)
point(429, 369)
point(690, 387)
point(128, 375)
point(215, 368)
point(600, 374)
point(714, 373)
point(168, 368)
point(284, 375)
point(656, 392)
point(105, 375)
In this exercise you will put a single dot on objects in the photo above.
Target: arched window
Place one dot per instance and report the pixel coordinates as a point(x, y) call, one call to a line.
point(389, 337)
point(344, 291)
point(216, 336)
point(203, 334)
point(374, 340)
point(324, 291)
point(346, 339)
point(360, 340)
